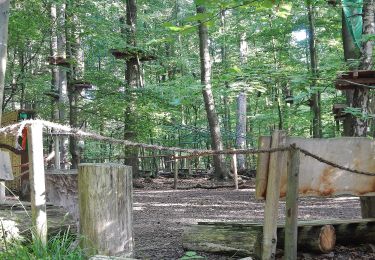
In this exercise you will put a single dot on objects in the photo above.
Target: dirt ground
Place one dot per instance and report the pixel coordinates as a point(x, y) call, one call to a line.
point(161, 214)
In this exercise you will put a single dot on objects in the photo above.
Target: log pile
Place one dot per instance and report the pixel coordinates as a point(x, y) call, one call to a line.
point(244, 239)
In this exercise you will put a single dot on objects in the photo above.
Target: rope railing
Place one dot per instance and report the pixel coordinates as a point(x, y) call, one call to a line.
point(16, 129)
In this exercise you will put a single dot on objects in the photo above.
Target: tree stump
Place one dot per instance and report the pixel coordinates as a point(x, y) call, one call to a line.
point(105, 205)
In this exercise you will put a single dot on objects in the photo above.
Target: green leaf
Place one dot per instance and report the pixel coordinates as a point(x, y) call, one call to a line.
point(284, 10)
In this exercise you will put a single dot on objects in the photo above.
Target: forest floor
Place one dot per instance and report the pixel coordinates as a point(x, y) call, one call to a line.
point(161, 214)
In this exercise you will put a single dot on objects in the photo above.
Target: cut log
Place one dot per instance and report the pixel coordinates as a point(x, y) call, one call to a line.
point(105, 208)
point(245, 239)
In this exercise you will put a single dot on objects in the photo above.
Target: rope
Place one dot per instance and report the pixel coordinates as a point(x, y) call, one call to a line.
point(232, 151)
point(17, 129)
point(320, 159)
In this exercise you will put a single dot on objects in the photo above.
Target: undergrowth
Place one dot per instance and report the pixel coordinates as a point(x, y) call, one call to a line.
point(59, 247)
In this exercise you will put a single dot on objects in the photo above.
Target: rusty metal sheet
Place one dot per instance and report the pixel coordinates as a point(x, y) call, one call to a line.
point(319, 179)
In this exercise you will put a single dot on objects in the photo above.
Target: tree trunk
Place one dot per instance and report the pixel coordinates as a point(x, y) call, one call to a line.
point(132, 77)
point(244, 48)
point(62, 80)
point(4, 18)
point(361, 95)
point(75, 52)
point(54, 82)
point(317, 122)
point(216, 141)
point(245, 239)
point(241, 129)
point(351, 54)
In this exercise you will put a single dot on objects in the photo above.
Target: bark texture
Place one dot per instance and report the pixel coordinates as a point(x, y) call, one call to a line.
point(105, 206)
point(4, 19)
point(54, 82)
point(133, 81)
point(361, 95)
point(62, 102)
point(350, 54)
point(245, 239)
point(317, 121)
point(213, 121)
point(241, 129)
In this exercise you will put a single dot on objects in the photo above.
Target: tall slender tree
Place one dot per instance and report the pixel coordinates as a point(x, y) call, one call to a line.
point(4, 19)
point(133, 80)
point(55, 115)
point(213, 121)
point(61, 27)
point(242, 108)
point(361, 95)
point(315, 97)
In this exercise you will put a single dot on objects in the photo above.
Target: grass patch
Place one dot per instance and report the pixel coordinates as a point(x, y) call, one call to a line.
point(60, 247)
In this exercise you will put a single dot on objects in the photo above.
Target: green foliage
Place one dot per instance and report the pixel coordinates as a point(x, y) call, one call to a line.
point(170, 108)
point(59, 247)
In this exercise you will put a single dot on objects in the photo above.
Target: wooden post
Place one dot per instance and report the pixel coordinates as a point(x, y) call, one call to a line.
point(234, 169)
point(37, 181)
point(175, 173)
point(277, 159)
point(291, 225)
point(105, 208)
point(262, 167)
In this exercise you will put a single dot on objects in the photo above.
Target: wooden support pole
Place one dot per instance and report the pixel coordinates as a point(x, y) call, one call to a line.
point(234, 169)
point(291, 219)
point(277, 159)
point(105, 209)
point(175, 173)
point(37, 182)
point(262, 167)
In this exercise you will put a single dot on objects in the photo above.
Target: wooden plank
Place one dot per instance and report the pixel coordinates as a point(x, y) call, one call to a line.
point(277, 160)
point(319, 179)
point(37, 181)
point(291, 216)
point(106, 208)
point(262, 167)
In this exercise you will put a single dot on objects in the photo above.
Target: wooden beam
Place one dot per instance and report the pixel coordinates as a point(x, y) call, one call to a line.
point(291, 216)
point(277, 160)
point(37, 181)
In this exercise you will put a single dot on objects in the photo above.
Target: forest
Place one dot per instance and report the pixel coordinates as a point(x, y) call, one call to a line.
point(137, 70)
point(205, 75)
